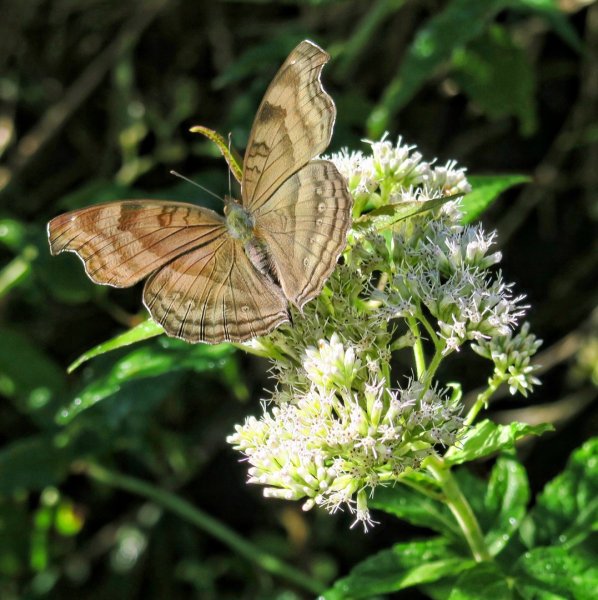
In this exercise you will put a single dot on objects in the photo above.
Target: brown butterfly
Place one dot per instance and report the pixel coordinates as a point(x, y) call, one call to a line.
point(214, 278)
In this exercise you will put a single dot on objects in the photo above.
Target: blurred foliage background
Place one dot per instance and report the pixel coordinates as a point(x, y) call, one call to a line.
point(97, 97)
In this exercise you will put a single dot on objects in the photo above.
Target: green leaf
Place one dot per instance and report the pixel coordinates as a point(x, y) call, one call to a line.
point(416, 508)
point(459, 23)
point(13, 234)
point(143, 331)
point(484, 580)
point(400, 567)
point(231, 156)
point(556, 17)
point(486, 189)
point(487, 438)
point(557, 572)
point(399, 212)
point(567, 509)
point(145, 362)
point(32, 464)
point(506, 499)
point(495, 73)
point(28, 374)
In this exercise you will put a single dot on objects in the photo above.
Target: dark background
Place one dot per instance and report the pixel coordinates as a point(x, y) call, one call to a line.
point(97, 97)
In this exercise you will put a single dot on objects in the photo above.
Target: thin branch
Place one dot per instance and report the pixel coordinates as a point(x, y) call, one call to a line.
point(56, 116)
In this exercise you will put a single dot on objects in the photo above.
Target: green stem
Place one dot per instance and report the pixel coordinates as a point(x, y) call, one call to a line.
point(206, 523)
point(482, 400)
point(460, 508)
point(432, 367)
point(429, 329)
point(418, 348)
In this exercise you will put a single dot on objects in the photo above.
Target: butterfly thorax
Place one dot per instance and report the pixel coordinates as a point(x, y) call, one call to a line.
point(240, 225)
point(238, 220)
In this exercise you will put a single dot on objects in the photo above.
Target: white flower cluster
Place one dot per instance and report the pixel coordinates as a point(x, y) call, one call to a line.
point(423, 286)
point(511, 355)
point(346, 433)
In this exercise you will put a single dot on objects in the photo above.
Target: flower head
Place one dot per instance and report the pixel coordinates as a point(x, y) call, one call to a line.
point(338, 425)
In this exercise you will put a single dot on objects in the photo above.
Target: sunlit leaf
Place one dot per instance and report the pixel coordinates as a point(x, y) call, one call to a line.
point(398, 212)
point(147, 362)
point(507, 497)
point(486, 189)
point(143, 331)
point(488, 438)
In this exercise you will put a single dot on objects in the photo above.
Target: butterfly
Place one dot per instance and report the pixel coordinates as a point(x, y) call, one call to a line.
point(214, 278)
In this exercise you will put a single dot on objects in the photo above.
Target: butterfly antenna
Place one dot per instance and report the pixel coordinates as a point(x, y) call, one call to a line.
point(201, 187)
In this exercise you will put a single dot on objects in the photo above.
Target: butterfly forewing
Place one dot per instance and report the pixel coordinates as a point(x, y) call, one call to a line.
point(304, 225)
point(293, 124)
point(121, 243)
point(214, 294)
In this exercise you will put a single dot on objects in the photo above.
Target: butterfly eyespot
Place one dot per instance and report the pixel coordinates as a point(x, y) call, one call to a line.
point(321, 207)
point(319, 222)
point(318, 191)
point(306, 262)
point(245, 308)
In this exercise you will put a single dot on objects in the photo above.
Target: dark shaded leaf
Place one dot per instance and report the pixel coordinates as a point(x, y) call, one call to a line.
point(559, 572)
point(398, 568)
point(33, 463)
point(495, 73)
point(422, 511)
point(460, 22)
point(485, 579)
point(567, 509)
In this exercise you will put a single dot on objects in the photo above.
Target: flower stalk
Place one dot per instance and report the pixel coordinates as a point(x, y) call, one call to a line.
point(460, 508)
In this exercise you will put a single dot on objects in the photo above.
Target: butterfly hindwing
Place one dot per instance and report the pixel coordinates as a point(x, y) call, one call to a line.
point(214, 294)
point(304, 225)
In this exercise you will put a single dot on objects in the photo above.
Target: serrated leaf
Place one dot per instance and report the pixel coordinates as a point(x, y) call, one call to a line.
point(506, 499)
point(567, 509)
point(400, 567)
point(143, 331)
point(231, 156)
point(417, 509)
point(459, 23)
point(557, 572)
point(485, 579)
point(486, 189)
point(495, 73)
point(487, 438)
